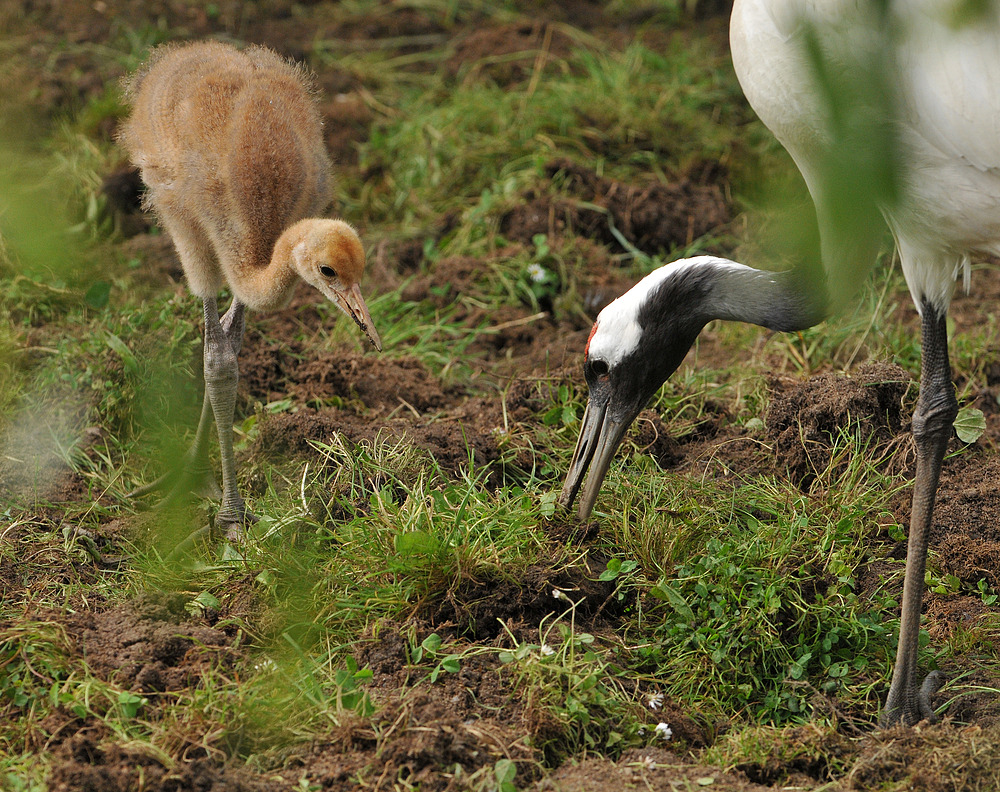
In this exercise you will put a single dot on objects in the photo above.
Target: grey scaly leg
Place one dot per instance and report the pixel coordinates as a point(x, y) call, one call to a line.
point(194, 474)
point(223, 340)
point(233, 325)
point(937, 407)
point(205, 484)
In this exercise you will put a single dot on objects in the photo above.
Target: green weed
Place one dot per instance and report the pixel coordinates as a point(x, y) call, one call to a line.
point(576, 699)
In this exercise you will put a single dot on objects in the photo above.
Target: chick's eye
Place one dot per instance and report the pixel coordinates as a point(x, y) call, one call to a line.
point(599, 367)
point(328, 272)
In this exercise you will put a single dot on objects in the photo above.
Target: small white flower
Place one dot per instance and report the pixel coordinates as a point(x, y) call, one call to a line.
point(663, 731)
point(654, 701)
point(648, 762)
point(537, 272)
point(559, 595)
point(546, 650)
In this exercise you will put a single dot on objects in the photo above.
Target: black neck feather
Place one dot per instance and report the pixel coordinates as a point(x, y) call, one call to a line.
point(782, 301)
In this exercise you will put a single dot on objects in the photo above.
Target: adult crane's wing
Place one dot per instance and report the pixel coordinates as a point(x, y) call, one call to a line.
point(950, 66)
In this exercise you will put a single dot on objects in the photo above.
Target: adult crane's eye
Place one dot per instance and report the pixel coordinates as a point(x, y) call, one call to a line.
point(328, 272)
point(599, 367)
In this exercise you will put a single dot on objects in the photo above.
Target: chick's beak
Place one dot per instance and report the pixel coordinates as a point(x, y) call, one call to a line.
point(352, 303)
point(600, 436)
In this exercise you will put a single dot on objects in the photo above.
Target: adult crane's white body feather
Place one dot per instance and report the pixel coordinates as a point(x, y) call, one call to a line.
point(945, 78)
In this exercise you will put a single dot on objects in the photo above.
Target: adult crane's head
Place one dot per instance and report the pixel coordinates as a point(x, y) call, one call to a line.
point(330, 257)
point(637, 342)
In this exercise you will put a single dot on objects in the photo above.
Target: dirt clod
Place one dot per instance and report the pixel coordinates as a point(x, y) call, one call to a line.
point(87, 764)
point(480, 607)
point(151, 645)
point(804, 420)
point(653, 217)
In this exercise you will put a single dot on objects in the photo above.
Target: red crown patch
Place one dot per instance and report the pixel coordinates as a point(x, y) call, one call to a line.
point(586, 349)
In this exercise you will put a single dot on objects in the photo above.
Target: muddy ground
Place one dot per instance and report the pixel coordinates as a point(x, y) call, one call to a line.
point(472, 719)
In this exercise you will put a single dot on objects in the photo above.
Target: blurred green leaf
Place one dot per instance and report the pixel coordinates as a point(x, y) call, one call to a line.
point(97, 295)
point(128, 359)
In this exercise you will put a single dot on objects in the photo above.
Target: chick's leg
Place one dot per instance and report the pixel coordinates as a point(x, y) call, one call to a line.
point(223, 340)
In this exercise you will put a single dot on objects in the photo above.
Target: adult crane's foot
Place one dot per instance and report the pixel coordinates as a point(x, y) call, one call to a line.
point(919, 709)
point(234, 520)
point(932, 684)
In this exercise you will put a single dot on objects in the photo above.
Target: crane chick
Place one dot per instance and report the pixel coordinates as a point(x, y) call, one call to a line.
point(230, 147)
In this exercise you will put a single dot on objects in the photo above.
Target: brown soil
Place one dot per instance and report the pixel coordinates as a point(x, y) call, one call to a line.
point(150, 645)
point(277, 370)
point(432, 727)
point(653, 217)
point(805, 419)
point(652, 769)
point(466, 433)
point(509, 53)
point(87, 762)
point(480, 608)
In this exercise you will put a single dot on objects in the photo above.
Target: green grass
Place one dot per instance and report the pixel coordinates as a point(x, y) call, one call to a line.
point(472, 146)
point(748, 589)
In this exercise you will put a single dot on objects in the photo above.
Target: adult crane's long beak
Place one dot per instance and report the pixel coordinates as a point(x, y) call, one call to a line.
point(600, 436)
point(352, 303)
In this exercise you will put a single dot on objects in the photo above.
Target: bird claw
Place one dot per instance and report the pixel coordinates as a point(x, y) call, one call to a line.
point(234, 521)
point(903, 715)
point(931, 685)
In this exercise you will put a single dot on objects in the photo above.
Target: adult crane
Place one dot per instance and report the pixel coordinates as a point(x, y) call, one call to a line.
point(923, 75)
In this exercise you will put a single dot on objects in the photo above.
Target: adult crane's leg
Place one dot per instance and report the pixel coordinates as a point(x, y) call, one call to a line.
point(223, 340)
point(909, 702)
